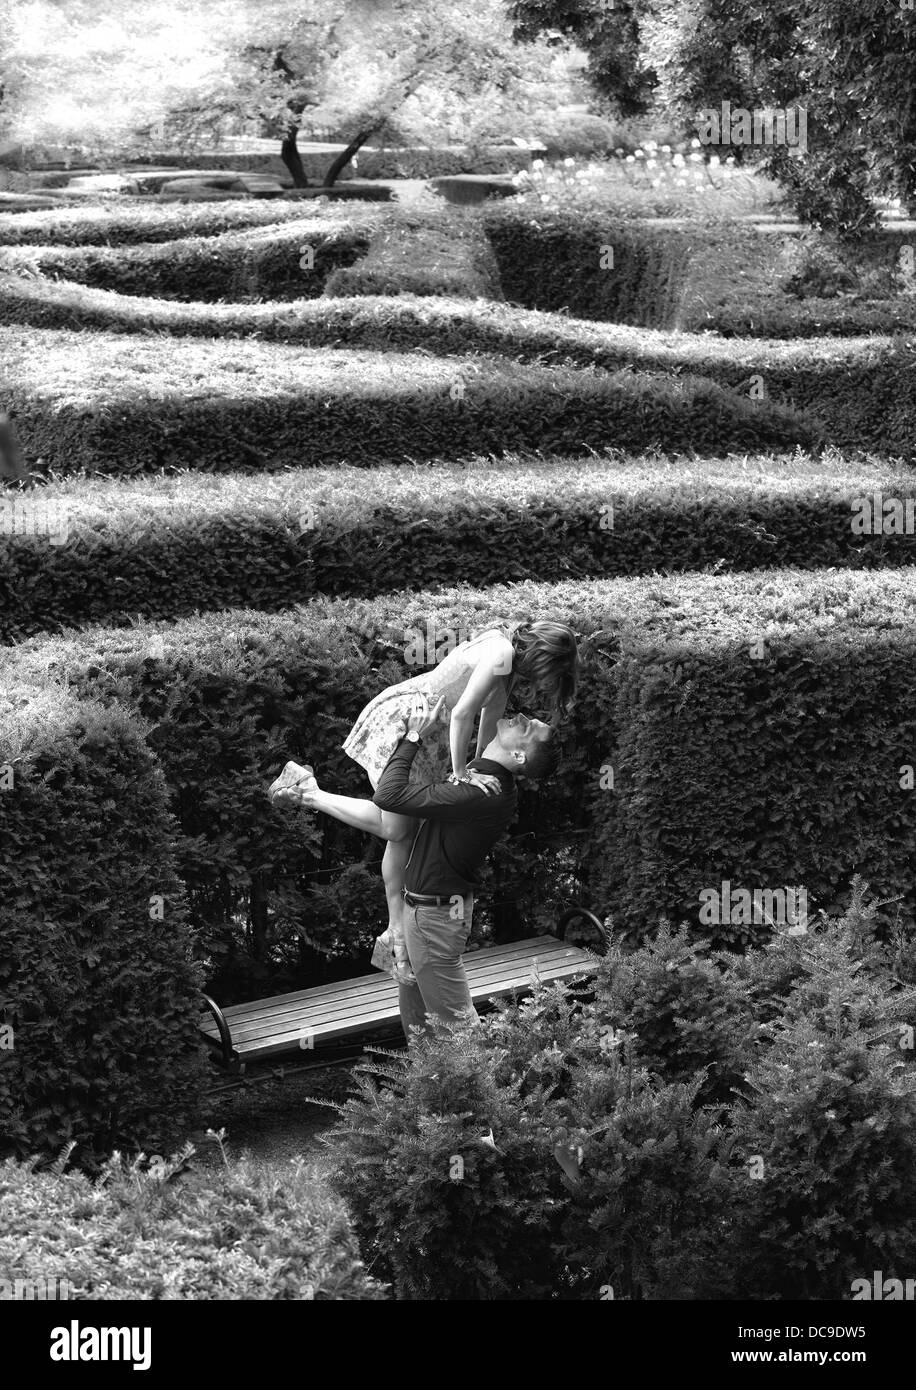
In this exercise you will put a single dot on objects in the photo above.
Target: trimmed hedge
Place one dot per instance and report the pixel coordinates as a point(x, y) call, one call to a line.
point(232, 697)
point(596, 268)
point(863, 390)
point(414, 162)
point(435, 254)
point(244, 1233)
point(770, 772)
point(764, 732)
point(109, 551)
point(436, 163)
point(121, 404)
point(735, 287)
point(95, 973)
point(237, 264)
point(129, 224)
point(692, 276)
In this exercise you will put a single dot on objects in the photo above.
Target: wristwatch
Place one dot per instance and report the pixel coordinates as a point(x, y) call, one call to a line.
point(412, 736)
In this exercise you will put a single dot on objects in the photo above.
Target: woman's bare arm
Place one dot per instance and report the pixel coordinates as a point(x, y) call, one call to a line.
point(490, 716)
point(493, 663)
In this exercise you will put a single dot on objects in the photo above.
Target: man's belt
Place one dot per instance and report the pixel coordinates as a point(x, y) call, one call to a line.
point(427, 900)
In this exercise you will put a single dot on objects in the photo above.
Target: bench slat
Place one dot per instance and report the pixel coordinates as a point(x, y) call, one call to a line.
point(326, 1013)
point(383, 1004)
point(534, 945)
point(380, 988)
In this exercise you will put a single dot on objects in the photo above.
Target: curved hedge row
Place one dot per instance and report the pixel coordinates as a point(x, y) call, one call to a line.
point(722, 277)
point(124, 404)
point(438, 254)
point(750, 728)
point(127, 224)
point(92, 550)
point(95, 971)
point(236, 264)
point(619, 271)
point(863, 390)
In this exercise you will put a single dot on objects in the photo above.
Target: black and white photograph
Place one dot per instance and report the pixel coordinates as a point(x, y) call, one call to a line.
point(457, 672)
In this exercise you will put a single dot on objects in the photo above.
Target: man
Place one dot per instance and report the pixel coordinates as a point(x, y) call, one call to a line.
point(459, 825)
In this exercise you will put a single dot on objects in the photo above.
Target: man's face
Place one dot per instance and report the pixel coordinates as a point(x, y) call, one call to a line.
point(521, 734)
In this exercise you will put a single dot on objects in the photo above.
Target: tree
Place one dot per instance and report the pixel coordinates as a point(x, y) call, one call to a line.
point(850, 65)
point(610, 32)
point(385, 68)
point(93, 72)
point(107, 73)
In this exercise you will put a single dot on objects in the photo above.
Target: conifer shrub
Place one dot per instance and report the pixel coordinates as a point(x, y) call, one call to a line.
point(544, 1153)
point(96, 978)
point(152, 1227)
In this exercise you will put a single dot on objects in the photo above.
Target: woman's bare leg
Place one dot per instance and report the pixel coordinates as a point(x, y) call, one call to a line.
point(357, 811)
point(398, 831)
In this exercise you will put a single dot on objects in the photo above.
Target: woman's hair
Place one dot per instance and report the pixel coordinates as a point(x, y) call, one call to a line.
point(547, 659)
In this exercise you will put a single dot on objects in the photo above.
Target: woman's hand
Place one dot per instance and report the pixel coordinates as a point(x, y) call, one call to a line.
point(423, 719)
point(488, 782)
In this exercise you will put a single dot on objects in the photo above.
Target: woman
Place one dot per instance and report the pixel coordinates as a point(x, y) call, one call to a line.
point(474, 679)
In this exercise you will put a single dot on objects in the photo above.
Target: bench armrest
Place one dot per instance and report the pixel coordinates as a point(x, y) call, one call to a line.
point(575, 914)
point(230, 1056)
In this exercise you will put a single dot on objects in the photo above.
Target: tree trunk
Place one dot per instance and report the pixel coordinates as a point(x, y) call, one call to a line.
point(289, 153)
point(343, 159)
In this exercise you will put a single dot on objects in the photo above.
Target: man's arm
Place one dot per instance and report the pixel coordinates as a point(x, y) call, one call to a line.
point(444, 801)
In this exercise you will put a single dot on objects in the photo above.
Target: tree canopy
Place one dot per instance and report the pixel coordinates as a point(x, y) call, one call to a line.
point(430, 70)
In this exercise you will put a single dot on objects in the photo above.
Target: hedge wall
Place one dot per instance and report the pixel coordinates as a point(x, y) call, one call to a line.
point(555, 261)
point(231, 697)
point(436, 253)
point(765, 731)
point(93, 550)
point(782, 769)
point(735, 286)
point(409, 162)
point(127, 224)
point(688, 275)
point(122, 404)
point(95, 973)
point(863, 390)
point(264, 261)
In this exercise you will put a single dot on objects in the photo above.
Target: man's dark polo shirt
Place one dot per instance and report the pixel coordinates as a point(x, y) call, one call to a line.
point(460, 823)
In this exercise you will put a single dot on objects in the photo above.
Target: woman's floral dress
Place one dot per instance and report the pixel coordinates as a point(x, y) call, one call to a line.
point(375, 735)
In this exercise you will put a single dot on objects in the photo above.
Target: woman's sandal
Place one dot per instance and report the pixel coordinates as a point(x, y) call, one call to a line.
point(293, 775)
point(386, 957)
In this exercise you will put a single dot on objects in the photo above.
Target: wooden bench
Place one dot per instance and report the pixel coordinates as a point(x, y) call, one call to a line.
point(330, 1019)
